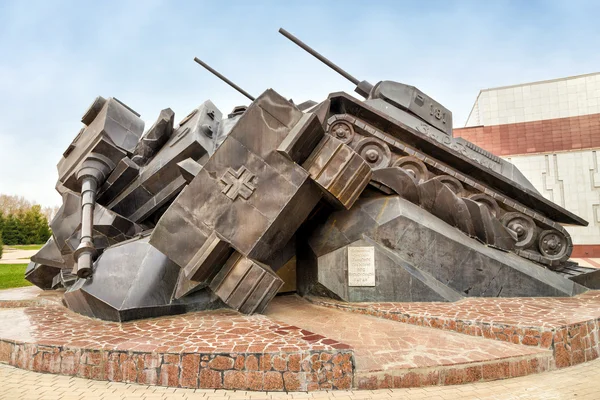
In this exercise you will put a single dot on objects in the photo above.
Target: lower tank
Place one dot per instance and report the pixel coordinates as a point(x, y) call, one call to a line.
point(411, 255)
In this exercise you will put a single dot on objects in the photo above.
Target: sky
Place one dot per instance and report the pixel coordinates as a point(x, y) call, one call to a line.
point(57, 56)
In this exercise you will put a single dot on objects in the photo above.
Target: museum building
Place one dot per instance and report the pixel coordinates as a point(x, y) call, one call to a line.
point(551, 131)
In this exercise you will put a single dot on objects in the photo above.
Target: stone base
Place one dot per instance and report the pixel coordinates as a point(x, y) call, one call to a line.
point(417, 257)
point(570, 328)
point(326, 345)
point(294, 371)
point(454, 375)
point(220, 349)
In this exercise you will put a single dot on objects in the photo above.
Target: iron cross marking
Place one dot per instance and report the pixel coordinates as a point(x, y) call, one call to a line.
point(238, 183)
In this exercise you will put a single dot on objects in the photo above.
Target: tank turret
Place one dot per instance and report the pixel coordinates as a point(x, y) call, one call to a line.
point(398, 126)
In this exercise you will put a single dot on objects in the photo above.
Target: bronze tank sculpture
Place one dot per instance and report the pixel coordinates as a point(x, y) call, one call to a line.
point(375, 200)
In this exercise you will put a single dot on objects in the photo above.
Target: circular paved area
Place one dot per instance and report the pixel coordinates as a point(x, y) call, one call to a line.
point(404, 355)
point(578, 382)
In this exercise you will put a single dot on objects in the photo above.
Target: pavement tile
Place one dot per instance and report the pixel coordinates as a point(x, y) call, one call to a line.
point(383, 345)
point(380, 345)
point(219, 331)
point(526, 312)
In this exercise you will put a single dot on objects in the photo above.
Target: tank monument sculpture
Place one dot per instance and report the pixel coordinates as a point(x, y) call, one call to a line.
point(375, 199)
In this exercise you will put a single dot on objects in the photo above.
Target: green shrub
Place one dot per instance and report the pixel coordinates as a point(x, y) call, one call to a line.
point(25, 227)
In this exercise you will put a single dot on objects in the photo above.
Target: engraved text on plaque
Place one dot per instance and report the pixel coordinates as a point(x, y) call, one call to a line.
point(361, 266)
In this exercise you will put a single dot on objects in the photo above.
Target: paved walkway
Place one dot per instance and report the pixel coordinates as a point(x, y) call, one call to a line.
point(579, 382)
point(383, 345)
point(28, 293)
point(14, 256)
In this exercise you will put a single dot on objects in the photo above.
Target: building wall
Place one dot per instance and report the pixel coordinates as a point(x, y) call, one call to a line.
point(561, 134)
point(571, 180)
point(559, 98)
point(551, 131)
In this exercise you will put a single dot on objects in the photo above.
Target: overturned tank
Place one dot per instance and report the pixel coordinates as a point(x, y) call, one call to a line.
point(359, 200)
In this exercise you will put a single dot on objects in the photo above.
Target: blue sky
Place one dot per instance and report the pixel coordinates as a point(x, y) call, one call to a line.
point(57, 56)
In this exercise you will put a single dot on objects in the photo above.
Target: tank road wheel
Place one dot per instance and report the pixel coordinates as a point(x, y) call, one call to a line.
point(376, 153)
point(523, 226)
point(451, 182)
point(487, 201)
point(342, 131)
point(553, 244)
point(414, 167)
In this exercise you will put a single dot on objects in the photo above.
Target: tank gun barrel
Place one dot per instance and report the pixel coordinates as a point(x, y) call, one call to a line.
point(319, 56)
point(363, 88)
point(224, 79)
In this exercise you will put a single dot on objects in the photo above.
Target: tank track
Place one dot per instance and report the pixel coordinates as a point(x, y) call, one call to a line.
point(539, 239)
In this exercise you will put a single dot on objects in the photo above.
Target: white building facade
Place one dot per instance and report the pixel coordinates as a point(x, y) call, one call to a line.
point(551, 131)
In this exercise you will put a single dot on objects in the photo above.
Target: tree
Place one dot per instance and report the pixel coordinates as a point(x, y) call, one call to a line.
point(32, 226)
point(27, 226)
point(50, 212)
point(42, 229)
point(11, 233)
point(1, 245)
point(14, 204)
point(23, 222)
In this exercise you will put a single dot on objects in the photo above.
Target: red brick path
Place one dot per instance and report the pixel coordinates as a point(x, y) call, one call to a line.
point(570, 327)
point(389, 354)
point(315, 347)
point(213, 349)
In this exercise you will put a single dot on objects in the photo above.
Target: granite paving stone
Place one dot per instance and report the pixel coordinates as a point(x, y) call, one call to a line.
point(578, 382)
point(570, 327)
point(522, 311)
point(218, 331)
point(297, 345)
point(393, 354)
point(206, 349)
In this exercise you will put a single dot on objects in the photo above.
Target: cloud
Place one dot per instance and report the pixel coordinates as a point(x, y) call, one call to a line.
point(58, 56)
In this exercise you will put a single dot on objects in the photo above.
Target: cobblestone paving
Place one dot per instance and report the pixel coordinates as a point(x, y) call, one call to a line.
point(578, 382)
point(521, 311)
point(386, 353)
point(219, 331)
point(568, 326)
point(380, 344)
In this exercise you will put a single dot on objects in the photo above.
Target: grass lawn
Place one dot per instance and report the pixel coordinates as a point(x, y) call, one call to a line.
point(25, 246)
point(12, 276)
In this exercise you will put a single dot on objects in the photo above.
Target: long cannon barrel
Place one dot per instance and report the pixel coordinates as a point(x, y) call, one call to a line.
point(319, 56)
point(224, 79)
point(363, 88)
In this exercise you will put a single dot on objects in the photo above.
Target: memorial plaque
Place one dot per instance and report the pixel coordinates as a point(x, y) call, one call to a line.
point(361, 266)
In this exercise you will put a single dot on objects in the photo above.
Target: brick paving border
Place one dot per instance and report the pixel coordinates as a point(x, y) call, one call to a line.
point(326, 365)
point(301, 371)
point(305, 370)
point(571, 344)
point(454, 375)
point(578, 382)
